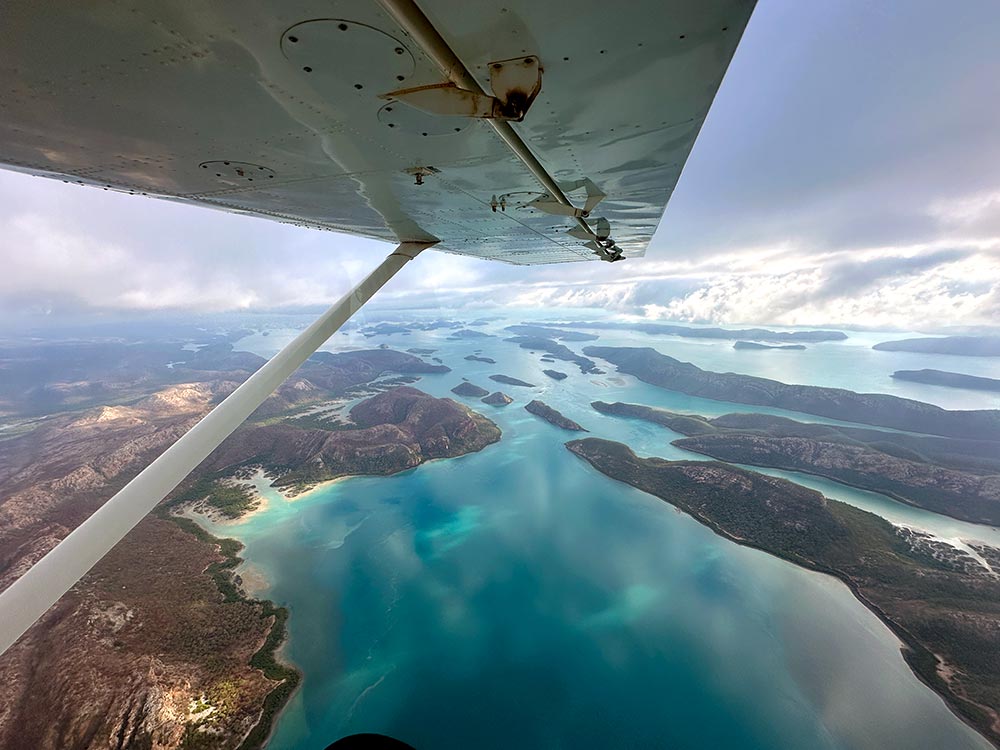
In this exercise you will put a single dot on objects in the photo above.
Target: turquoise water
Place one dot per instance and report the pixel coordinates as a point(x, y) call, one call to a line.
point(517, 598)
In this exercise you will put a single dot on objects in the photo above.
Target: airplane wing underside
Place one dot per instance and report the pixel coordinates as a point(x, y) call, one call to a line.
point(277, 109)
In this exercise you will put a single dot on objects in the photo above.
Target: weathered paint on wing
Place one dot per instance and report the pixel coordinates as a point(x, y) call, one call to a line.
point(273, 108)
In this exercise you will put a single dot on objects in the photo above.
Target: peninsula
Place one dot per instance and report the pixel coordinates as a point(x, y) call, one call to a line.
point(950, 379)
point(960, 479)
point(390, 432)
point(836, 403)
point(944, 608)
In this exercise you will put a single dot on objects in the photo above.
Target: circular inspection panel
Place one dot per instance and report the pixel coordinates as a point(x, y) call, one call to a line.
point(237, 172)
point(345, 57)
point(407, 119)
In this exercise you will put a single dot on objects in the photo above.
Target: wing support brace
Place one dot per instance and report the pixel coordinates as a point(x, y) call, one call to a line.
point(31, 595)
point(412, 20)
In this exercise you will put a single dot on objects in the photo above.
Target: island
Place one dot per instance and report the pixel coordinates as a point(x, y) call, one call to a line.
point(406, 328)
point(836, 403)
point(950, 379)
point(469, 390)
point(962, 346)
point(180, 653)
point(755, 345)
point(753, 334)
point(508, 380)
point(944, 608)
point(468, 333)
point(552, 416)
point(555, 374)
point(499, 398)
point(550, 333)
point(557, 350)
point(957, 478)
point(477, 358)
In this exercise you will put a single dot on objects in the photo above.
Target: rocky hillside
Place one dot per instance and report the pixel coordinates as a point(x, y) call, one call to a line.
point(945, 609)
point(157, 647)
point(958, 478)
point(836, 403)
point(393, 431)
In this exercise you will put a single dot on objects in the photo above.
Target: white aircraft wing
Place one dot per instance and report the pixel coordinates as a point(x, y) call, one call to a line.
point(285, 109)
point(533, 131)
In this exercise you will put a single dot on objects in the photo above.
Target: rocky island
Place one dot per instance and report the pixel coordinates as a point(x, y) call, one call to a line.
point(552, 416)
point(945, 609)
point(755, 345)
point(950, 379)
point(963, 346)
point(957, 478)
point(550, 333)
point(508, 380)
point(468, 333)
point(499, 398)
point(469, 390)
point(555, 374)
point(836, 403)
point(477, 358)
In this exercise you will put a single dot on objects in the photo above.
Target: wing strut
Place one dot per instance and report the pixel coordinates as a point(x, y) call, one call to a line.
point(413, 21)
point(31, 595)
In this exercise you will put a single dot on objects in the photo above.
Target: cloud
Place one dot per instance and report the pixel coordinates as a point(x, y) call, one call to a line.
point(847, 173)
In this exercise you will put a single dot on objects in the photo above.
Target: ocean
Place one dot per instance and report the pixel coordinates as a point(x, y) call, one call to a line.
point(518, 598)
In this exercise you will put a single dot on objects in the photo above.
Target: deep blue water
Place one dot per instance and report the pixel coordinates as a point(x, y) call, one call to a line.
point(517, 598)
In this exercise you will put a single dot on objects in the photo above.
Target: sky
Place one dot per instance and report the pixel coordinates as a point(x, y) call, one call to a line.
point(848, 174)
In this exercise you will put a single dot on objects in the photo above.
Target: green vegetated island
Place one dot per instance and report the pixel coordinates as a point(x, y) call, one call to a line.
point(963, 346)
point(954, 477)
point(950, 379)
point(835, 403)
point(942, 603)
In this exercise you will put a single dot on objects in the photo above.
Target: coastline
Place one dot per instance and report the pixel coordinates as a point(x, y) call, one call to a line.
point(205, 523)
point(923, 662)
point(796, 469)
point(286, 676)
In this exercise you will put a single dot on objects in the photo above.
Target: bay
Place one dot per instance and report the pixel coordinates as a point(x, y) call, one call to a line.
point(517, 598)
